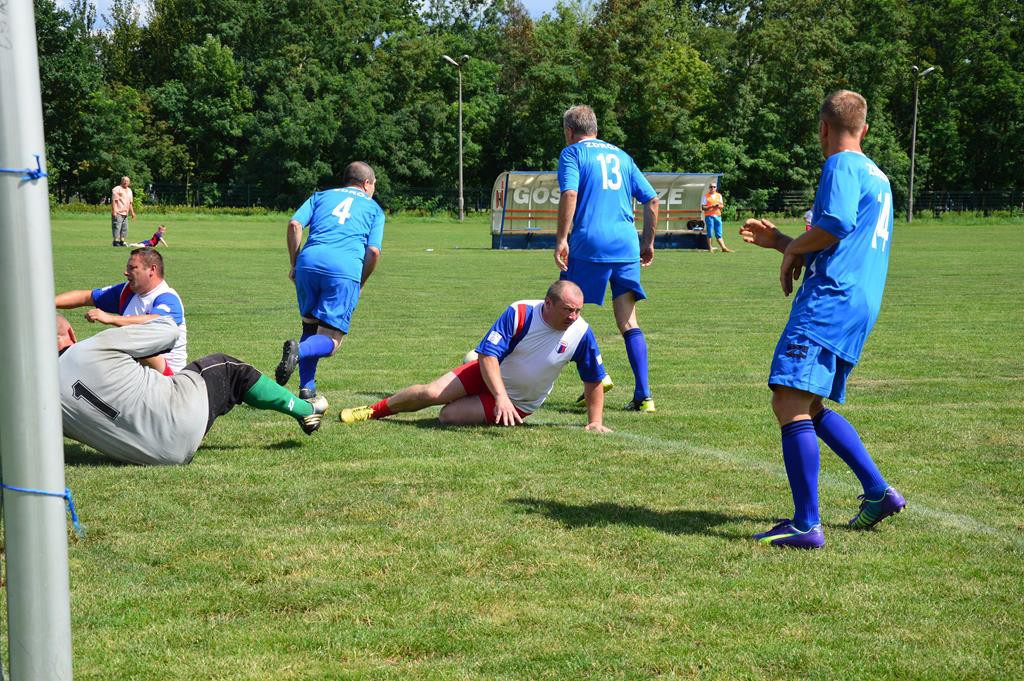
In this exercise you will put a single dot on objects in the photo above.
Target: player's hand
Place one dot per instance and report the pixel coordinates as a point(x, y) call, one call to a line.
point(562, 255)
point(597, 428)
point(760, 233)
point(646, 254)
point(505, 413)
point(97, 315)
point(792, 265)
point(291, 273)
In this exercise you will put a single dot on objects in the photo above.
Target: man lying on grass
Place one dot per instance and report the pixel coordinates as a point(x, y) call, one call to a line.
point(518, 361)
point(130, 412)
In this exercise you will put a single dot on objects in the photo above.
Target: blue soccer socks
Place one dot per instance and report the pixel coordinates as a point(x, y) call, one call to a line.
point(842, 438)
point(311, 349)
point(636, 350)
point(802, 458)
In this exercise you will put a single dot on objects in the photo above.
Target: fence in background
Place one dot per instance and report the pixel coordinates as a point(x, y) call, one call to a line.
point(441, 200)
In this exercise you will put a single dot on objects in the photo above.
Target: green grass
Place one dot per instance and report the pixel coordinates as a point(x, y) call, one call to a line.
point(401, 550)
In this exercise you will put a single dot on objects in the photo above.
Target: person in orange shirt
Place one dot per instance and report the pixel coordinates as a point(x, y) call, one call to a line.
point(712, 205)
point(122, 204)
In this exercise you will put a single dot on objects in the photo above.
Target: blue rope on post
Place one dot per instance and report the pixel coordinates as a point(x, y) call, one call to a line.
point(27, 173)
point(65, 495)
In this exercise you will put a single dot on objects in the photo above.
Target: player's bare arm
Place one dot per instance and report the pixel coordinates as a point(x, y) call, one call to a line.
point(811, 241)
point(505, 411)
point(765, 234)
point(72, 299)
point(650, 226)
point(293, 236)
point(566, 211)
point(369, 263)
point(594, 395)
point(110, 319)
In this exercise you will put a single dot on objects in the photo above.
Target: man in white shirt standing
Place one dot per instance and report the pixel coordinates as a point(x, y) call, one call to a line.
point(122, 204)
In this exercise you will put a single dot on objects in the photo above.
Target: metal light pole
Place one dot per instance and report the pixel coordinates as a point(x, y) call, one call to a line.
point(918, 75)
point(458, 67)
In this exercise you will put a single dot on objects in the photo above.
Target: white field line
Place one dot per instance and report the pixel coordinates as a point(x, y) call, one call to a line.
point(957, 521)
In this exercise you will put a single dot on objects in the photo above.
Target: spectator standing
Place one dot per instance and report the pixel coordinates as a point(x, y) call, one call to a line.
point(122, 204)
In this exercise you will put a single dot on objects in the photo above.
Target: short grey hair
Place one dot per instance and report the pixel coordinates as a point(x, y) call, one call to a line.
point(356, 173)
point(580, 120)
point(558, 290)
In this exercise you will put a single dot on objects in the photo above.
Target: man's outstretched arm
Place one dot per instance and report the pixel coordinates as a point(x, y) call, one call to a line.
point(72, 299)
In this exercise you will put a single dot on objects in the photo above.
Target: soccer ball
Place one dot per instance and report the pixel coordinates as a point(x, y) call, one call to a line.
point(470, 356)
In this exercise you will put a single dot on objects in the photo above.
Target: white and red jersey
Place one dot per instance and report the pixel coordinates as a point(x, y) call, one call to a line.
point(532, 354)
point(162, 300)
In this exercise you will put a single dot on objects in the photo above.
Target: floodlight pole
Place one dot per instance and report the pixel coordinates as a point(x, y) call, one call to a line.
point(31, 443)
point(918, 75)
point(458, 67)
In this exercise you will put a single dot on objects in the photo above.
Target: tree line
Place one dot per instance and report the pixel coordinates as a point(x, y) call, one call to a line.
point(283, 93)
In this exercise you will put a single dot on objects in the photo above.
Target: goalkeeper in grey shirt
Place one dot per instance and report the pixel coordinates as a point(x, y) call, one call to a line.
point(133, 413)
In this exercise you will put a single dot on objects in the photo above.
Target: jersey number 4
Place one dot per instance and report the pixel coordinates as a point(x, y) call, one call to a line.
point(611, 176)
point(882, 226)
point(343, 210)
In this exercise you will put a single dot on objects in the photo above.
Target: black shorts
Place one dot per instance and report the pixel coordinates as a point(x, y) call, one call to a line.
point(227, 381)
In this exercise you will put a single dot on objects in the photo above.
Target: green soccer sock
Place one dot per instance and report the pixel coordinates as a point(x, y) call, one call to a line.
point(266, 394)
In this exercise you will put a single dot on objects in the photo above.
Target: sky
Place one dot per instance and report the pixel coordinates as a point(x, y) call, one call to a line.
point(535, 7)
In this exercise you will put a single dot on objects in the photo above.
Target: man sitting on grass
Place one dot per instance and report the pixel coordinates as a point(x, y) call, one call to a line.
point(125, 410)
point(519, 360)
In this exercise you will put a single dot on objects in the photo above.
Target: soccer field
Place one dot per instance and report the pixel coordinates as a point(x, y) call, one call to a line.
point(401, 550)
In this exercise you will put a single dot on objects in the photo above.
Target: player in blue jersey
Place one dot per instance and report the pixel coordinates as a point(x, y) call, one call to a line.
point(346, 229)
point(520, 357)
point(846, 257)
point(598, 183)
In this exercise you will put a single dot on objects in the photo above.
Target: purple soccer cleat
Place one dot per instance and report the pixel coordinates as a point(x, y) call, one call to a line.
point(785, 534)
point(874, 511)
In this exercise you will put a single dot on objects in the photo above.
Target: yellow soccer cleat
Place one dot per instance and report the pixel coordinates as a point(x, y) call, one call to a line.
point(355, 414)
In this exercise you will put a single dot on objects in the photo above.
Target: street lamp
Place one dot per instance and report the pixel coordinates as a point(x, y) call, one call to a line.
point(918, 76)
point(458, 67)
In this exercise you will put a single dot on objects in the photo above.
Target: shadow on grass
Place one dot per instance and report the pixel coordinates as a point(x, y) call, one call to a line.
point(607, 513)
point(482, 428)
point(78, 455)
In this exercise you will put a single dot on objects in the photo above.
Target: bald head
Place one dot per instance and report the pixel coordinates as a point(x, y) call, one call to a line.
point(561, 289)
point(65, 334)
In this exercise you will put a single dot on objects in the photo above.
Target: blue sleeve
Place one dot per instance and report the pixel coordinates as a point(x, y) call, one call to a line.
point(642, 189)
point(496, 342)
point(588, 359)
point(304, 215)
point(376, 238)
point(835, 206)
point(569, 169)
point(108, 298)
point(169, 305)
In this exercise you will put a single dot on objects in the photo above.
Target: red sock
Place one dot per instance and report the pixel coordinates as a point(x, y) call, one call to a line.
point(380, 410)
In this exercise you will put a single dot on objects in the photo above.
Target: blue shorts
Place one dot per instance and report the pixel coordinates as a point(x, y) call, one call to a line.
point(593, 278)
point(801, 363)
point(329, 299)
point(713, 226)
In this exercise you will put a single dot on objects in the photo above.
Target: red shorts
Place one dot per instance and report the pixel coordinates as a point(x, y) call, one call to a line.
point(473, 381)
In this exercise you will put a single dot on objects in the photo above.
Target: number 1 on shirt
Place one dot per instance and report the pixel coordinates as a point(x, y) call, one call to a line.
point(342, 210)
